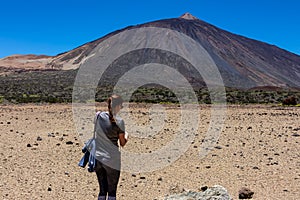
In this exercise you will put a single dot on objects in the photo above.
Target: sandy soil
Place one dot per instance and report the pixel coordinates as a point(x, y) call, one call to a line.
point(258, 149)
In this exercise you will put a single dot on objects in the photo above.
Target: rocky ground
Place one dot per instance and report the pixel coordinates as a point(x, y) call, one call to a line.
point(258, 149)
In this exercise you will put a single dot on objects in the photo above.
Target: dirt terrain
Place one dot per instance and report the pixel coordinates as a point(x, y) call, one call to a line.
point(257, 149)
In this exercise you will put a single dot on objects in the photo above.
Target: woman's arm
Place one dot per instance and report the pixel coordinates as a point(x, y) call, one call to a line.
point(123, 139)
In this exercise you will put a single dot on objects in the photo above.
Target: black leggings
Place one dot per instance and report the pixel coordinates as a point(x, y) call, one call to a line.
point(108, 179)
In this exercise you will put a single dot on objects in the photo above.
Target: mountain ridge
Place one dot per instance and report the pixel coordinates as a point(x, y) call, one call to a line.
point(243, 62)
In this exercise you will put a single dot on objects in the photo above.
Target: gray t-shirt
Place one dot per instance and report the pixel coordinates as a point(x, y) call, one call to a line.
point(107, 135)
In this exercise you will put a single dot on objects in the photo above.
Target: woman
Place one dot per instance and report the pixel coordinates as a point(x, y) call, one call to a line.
point(109, 130)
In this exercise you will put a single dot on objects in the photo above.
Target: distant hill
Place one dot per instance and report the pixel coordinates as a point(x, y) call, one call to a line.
point(245, 64)
point(23, 62)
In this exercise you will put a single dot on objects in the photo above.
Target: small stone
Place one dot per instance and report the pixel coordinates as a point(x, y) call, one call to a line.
point(159, 179)
point(69, 142)
point(245, 193)
point(204, 188)
point(51, 135)
point(39, 138)
point(295, 135)
point(176, 189)
point(142, 177)
point(49, 189)
point(29, 145)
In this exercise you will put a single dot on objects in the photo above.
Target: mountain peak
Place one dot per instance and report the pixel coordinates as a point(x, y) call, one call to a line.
point(188, 16)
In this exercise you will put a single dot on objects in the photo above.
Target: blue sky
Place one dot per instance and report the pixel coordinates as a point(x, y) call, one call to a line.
point(56, 26)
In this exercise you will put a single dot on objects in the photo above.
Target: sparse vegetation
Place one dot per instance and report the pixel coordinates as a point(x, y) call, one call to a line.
point(38, 86)
point(56, 87)
point(289, 101)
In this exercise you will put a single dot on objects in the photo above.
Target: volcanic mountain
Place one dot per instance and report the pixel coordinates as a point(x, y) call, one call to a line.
point(243, 62)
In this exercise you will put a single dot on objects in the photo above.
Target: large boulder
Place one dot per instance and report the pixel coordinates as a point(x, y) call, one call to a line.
point(216, 192)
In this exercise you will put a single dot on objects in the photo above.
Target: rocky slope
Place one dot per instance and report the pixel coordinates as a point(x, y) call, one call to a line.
point(243, 62)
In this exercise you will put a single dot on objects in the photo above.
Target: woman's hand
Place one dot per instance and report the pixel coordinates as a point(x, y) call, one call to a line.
point(126, 135)
point(123, 137)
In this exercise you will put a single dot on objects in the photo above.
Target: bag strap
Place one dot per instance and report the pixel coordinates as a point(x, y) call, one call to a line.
point(96, 119)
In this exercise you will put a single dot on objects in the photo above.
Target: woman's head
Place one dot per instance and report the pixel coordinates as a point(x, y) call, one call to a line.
point(114, 101)
point(114, 105)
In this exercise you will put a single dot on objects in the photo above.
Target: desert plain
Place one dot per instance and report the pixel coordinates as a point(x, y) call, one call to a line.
point(258, 148)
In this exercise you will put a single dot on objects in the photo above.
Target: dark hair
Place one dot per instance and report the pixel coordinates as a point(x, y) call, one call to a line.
point(112, 102)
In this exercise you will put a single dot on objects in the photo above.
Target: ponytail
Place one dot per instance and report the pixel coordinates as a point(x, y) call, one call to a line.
point(112, 102)
point(111, 116)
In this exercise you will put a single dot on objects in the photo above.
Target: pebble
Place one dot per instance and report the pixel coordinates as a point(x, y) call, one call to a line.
point(69, 142)
point(39, 138)
point(204, 188)
point(51, 135)
point(245, 193)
